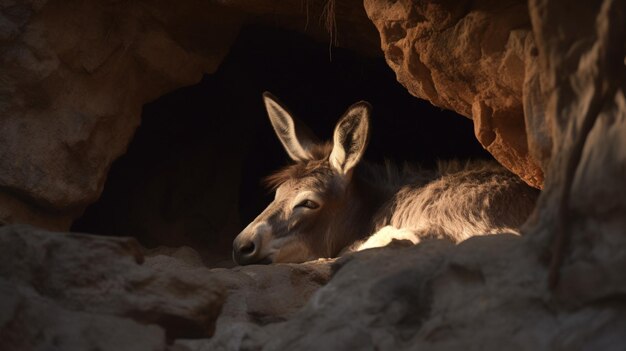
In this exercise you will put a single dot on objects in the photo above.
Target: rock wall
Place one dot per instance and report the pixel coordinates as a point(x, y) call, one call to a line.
point(581, 74)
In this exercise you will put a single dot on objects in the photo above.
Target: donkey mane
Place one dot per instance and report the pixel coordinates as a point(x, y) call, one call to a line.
point(386, 176)
point(318, 164)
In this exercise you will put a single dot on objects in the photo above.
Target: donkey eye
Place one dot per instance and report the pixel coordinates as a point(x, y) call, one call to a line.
point(308, 204)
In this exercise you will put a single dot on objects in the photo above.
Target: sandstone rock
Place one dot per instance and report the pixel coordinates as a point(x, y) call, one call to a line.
point(104, 276)
point(251, 291)
point(467, 57)
point(268, 294)
point(488, 293)
point(78, 291)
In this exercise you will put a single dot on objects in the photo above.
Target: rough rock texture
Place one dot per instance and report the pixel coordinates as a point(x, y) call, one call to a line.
point(488, 293)
point(468, 57)
point(98, 275)
point(581, 68)
point(78, 291)
point(29, 321)
point(251, 291)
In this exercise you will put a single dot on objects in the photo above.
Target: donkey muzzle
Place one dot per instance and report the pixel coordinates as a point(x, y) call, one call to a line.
point(247, 249)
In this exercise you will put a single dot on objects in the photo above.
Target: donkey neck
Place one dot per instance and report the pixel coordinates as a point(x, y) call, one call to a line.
point(378, 186)
point(379, 182)
point(372, 187)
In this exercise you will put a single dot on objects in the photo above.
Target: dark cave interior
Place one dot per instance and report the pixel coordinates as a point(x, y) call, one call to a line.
point(191, 175)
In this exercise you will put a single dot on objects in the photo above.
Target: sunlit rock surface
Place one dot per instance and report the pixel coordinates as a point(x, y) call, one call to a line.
point(487, 293)
point(468, 57)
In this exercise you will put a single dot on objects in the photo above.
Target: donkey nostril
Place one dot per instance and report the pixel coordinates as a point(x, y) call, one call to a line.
point(247, 249)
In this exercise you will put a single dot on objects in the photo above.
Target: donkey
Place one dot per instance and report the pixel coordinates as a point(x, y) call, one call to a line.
point(329, 202)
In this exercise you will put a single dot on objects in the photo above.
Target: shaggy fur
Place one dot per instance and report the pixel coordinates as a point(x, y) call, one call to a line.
point(455, 201)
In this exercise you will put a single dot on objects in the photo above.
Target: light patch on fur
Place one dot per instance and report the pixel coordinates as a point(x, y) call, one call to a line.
point(464, 200)
point(385, 236)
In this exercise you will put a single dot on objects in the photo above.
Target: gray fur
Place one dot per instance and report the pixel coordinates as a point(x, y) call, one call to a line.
point(458, 201)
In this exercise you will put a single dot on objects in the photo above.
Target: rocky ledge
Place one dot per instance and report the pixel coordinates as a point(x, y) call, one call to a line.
point(70, 291)
point(76, 291)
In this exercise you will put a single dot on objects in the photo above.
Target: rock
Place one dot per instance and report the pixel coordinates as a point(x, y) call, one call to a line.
point(581, 217)
point(29, 321)
point(258, 295)
point(104, 276)
point(484, 294)
point(467, 57)
point(568, 72)
point(77, 291)
point(253, 291)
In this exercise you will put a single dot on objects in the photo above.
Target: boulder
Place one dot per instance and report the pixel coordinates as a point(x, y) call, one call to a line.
point(29, 321)
point(106, 276)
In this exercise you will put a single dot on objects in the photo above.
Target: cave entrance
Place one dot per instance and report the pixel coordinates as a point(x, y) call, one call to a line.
point(191, 175)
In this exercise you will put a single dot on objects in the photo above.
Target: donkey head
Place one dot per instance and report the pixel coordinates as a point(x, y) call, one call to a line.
point(313, 206)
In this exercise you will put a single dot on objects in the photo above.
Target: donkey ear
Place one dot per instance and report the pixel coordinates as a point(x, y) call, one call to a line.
point(296, 137)
point(350, 137)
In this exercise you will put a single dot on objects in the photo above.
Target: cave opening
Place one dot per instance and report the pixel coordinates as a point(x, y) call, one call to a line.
point(191, 175)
